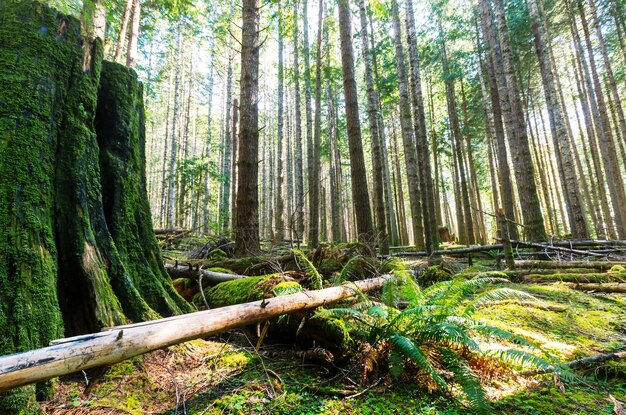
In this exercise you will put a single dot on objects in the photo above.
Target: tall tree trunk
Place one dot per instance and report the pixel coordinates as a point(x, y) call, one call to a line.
point(299, 208)
point(431, 234)
point(522, 160)
point(360, 194)
point(234, 167)
point(207, 152)
point(247, 223)
point(390, 214)
point(174, 145)
point(377, 163)
point(119, 48)
point(307, 100)
point(279, 212)
point(603, 126)
point(314, 168)
point(466, 223)
point(408, 135)
point(565, 163)
point(133, 36)
point(504, 170)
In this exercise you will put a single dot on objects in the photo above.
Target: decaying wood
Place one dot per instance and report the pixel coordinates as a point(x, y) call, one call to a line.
point(169, 231)
point(581, 363)
point(576, 278)
point(618, 288)
point(600, 265)
point(119, 343)
point(212, 277)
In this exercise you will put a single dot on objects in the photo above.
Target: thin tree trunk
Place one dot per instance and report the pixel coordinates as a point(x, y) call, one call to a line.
point(408, 136)
point(307, 99)
point(314, 168)
point(133, 36)
point(234, 167)
point(565, 163)
point(606, 144)
point(122, 35)
point(298, 131)
point(377, 164)
point(279, 212)
point(174, 145)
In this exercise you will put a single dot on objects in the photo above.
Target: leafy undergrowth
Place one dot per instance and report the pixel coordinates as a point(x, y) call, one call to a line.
point(229, 377)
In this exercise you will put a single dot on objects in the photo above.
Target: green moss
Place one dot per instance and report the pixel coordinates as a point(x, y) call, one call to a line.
point(222, 270)
point(329, 266)
point(617, 269)
point(218, 253)
point(434, 274)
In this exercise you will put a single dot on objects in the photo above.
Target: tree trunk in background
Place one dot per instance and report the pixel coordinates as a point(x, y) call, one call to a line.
point(377, 163)
point(431, 233)
point(360, 195)
point(68, 259)
point(207, 152)
point(565, 162)
point(466, 221)
point(520, 147)
point(280, 207)
point(133, 36)
point(506, 184)
point(307, 99)
point(408, 136)
point(247, 223)
point(234, 175)
point(390, 214)
point(299, 208)
point(315, 167)
point(121, 39)
point(583, 82)
point(603, 125)
point(174, 136)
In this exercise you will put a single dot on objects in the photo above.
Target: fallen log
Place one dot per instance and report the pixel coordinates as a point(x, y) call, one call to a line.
point(580, 363)
point(617, 288)
point(169, 231)
point(77, 353)
point(601, 265)
point(212, 277)
point(577, 278)
point(553, 248)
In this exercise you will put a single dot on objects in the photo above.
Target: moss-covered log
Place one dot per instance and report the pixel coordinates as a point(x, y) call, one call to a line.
point(70, 263)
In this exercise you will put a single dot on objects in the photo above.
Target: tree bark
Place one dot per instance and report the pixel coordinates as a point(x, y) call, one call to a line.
point(408, 134)
point(522, 160)
point(372, 112)
point(360, 194)
point(133, 36)
point(247, 223)
point(122, 35)
point(565, 162)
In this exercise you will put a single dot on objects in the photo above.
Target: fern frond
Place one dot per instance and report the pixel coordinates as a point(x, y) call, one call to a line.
point(446, 334)
point(468, 380)
point(349, 271)
point(309, 269)
point(409, 350)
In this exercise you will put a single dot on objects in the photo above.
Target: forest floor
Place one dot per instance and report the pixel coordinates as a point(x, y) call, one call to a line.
point(226, 375)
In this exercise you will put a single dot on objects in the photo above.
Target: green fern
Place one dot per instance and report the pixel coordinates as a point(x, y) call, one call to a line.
point(439, 322)
point(309, 269)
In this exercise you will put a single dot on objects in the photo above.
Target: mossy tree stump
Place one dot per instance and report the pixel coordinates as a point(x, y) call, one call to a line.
point(77, 252)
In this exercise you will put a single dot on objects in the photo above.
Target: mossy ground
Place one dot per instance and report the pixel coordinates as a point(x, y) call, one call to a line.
point(227, 376)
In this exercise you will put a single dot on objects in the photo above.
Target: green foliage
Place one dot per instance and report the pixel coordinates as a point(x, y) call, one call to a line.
point(309, 269)
point(437, 332)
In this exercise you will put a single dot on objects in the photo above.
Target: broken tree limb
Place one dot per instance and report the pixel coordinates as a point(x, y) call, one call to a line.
point(119, 343)
point(579, 363)
point(169, 231)
point(553, 248)
point(181, 271)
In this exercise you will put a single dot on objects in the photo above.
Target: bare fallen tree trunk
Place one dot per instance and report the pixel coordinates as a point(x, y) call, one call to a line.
point(212, 277)
point(578, 363)
point(602, 288)
point(169, 231)
point(601, 265)
point(73, 354)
